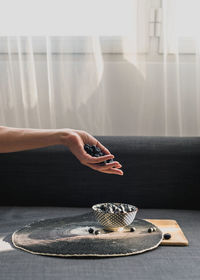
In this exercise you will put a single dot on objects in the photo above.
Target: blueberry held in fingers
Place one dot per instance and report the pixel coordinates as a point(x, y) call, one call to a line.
point(96, 155)
point(93, 147)
point(98, 150)
point(102, 163)
point(88, 149)
point(95, 151)
point(109, 160)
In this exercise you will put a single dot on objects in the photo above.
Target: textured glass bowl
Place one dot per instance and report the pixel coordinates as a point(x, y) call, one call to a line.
point(114, 221)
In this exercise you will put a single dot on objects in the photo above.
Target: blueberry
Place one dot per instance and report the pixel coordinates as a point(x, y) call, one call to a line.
point(150, 230)
point(97, 232)
point(96, 155)
point(87, 148)
point(90, 230)
point(167, 236)
point(102, 207)
point(130, 209)
point(93, 148)
point(98, 150)
point(127, 207)
point(109, 160)
point(132, 229)
point(102, 163)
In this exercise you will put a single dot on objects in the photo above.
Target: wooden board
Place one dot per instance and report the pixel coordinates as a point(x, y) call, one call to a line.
point(170, 226)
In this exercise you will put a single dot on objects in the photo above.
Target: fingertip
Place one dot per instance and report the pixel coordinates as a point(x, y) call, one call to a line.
point(118, 171)
point(112, 156)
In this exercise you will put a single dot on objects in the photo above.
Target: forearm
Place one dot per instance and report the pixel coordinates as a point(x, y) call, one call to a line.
point(18, 139)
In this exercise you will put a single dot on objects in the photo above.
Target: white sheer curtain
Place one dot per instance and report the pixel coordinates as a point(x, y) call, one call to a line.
point(179, 47)
point(142, 80)
point(52, 88)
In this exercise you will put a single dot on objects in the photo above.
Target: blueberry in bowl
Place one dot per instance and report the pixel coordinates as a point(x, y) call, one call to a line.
point(114, 216)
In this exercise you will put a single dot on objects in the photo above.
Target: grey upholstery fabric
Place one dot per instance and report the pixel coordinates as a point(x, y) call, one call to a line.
point(159, 172)
point(164, 263)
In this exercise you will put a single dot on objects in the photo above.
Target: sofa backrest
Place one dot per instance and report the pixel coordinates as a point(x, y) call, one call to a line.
point(159, 172)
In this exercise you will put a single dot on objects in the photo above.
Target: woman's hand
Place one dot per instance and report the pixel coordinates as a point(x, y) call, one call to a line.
point(75, 141)
point(17, 139)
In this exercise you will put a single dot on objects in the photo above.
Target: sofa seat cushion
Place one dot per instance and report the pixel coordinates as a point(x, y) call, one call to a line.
point(165, 262)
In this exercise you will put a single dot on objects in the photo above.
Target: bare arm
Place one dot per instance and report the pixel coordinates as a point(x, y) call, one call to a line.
point(18, 139)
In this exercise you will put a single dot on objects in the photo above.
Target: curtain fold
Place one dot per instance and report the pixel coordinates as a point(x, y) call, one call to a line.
point(179, 48)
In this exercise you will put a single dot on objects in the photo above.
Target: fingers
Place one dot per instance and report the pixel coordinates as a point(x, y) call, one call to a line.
point(93, 160)
point(115, 171)
point(112, 164)
point(104, 149)
point(109, 168)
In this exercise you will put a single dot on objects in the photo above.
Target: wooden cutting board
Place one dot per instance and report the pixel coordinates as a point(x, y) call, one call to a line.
point(171, 226)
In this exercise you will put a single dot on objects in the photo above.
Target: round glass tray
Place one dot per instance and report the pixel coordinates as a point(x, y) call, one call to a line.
point(69, 237)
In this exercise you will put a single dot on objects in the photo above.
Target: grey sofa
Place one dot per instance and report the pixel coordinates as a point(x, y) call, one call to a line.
point(161, 177)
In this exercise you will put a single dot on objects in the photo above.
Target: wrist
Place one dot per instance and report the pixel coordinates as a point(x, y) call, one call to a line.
point(64, 136)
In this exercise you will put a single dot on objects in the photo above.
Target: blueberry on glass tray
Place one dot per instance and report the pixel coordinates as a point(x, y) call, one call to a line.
point(150, 230)
point(90, 230)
